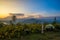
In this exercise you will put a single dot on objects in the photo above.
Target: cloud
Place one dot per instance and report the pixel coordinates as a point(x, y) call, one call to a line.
point(17, 14)
point(47, 13)
point(37, 14)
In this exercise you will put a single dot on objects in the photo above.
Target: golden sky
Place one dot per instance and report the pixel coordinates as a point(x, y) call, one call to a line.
point(45, 8)
point(7, 7)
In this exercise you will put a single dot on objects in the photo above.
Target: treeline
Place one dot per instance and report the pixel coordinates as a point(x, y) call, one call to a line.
point(18, 30)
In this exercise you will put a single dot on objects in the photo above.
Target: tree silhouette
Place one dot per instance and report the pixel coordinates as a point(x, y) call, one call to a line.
point(13, 18)
point(54, 22)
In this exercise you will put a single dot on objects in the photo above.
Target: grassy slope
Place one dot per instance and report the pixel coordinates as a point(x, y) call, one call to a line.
point(45, 36)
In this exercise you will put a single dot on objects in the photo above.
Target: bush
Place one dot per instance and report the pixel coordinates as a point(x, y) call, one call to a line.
point(57, 27)
point(49, 27)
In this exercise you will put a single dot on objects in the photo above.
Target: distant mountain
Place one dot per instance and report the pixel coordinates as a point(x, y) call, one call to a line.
point(38, 20)
point(31, 20)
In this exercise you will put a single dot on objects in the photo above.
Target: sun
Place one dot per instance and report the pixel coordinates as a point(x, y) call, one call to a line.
point(7, 7)
point(3, 15)
point(3, 11)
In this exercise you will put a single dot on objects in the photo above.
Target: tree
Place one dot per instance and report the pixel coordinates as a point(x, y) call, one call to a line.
point(1, 24)
point(13, 18)
point(54, 22)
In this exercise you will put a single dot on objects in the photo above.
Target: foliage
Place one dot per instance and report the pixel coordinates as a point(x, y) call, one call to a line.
point(17, 31)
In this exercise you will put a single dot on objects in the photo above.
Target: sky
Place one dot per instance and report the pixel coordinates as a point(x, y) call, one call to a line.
point(40, 7)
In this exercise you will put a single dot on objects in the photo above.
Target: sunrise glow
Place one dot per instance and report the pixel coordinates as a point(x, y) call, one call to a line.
point(3, 11)
point(39, 7)
point(7, 7)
